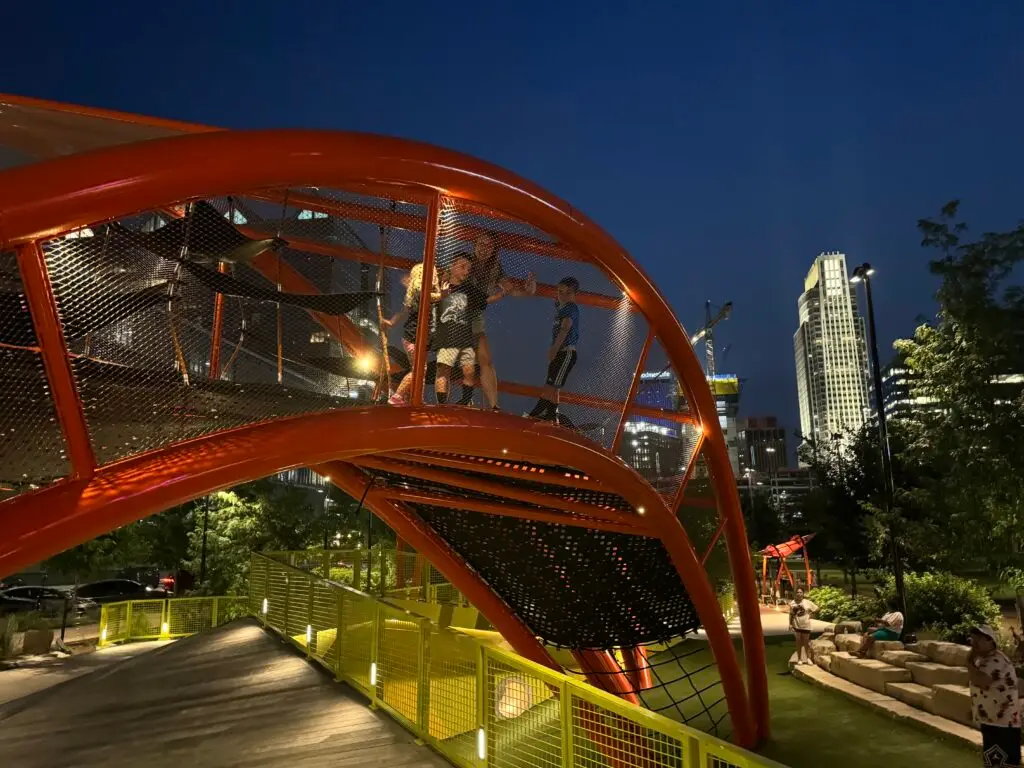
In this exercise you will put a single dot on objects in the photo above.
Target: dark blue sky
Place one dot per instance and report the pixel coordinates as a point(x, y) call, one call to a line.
point(724, 146)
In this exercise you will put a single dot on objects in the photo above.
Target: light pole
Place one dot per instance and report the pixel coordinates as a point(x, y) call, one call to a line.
point(863, 274)
point(770, 450)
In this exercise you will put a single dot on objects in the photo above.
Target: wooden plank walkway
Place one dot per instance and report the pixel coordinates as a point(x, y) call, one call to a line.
point(232, 697)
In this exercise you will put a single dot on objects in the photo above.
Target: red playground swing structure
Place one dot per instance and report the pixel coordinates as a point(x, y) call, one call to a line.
point(769, 586)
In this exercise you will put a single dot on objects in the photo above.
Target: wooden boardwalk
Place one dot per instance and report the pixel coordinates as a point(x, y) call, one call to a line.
point(232, 697)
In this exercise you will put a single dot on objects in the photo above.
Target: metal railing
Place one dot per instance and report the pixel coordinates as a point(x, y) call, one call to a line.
point(383, 572)
point(475, 704)
point(167, 619)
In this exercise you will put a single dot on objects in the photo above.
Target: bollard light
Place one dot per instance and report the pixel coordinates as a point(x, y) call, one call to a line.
point(309, 634)
point(165, 628)
point(373, 673)
point(264, 606)
point(481, 744)
point(103, 635)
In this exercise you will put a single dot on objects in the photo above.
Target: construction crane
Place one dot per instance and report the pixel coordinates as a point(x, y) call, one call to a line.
point(707, 335)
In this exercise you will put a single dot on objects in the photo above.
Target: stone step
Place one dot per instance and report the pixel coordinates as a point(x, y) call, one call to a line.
point(953, 702)
point(848, 642)
point(824, 660)
point(949, 654)
point(885, 646)
point(869, 673)
point(900, 658)
point(931, 674)
point(915, 695)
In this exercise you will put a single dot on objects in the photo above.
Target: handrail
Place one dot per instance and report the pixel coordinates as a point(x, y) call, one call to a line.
point(168, 618)
point(475, 704)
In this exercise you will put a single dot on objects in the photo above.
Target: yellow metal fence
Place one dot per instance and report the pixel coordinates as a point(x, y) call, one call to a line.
point(167, 619)
point(477, 705)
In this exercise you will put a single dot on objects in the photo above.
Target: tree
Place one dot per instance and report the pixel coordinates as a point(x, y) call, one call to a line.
point(835, 510)
point(970, 438)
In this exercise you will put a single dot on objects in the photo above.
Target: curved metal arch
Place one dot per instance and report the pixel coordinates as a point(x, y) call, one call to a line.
point(48, 198)
point(70, 513)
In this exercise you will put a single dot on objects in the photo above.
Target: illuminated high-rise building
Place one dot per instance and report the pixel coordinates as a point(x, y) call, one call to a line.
point(831, 353)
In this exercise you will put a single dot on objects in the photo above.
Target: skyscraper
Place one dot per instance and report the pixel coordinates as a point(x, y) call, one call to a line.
point(831, 353)
point(762, 444)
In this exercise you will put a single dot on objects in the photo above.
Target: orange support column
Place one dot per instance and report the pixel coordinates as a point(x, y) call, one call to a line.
point(419, 362)
point(43, 305)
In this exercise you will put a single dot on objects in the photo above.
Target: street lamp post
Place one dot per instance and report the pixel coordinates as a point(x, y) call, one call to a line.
point(863, 274)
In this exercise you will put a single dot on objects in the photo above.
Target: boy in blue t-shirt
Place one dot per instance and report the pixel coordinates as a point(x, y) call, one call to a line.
point(562, 354)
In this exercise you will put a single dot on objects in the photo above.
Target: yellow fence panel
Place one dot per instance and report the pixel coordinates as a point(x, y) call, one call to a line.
point(167, 619)
point(479, 706)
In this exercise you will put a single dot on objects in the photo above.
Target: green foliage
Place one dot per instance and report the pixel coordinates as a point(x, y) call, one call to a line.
point(948, 604)
point(835, 604)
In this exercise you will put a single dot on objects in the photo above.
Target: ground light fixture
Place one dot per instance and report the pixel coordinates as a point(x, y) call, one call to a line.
point(165, 628)
point(264, 606)
point(373, 673)
point(481, 744)
point(309, 634)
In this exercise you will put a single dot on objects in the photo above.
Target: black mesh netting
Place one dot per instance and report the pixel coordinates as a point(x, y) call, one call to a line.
point(572, 586)
point(32, 448)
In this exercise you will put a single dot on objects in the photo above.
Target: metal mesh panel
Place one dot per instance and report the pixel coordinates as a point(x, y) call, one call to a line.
point(398, 667)
point(138, 300)
point(114, 623)
point(605, 738)
point(523, 718)
point(277, 599)
point(298, 606)
point(32, 450)
point(187, 616)
point(324, 623)
point(258, 576)
point(508, 255)
point(659, 449)
point(574, 587)
point(147, 617)
point(453, 662)
point(358, 614)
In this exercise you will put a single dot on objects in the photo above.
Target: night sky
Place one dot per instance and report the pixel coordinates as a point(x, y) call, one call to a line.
point(724, 147)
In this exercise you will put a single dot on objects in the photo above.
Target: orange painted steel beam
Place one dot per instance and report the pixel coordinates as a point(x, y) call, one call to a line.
point(218, 323)
point(293, 281)
point(105, 114)
point(603, 672)
point(691, 467)
point(50, 197)
point(407, 524)
point(505, 509)
point(524, 495)
point(631, 395)
point(419, 361)
point(599, 403)
point(514, 470)
point(396, 262)
point(343, 208)
point(54, 352)
point(714, 540)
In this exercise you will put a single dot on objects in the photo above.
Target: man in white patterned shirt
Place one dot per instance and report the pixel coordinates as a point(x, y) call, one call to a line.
point(994, 698)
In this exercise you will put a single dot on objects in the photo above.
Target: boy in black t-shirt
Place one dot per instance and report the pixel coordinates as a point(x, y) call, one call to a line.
point(565, 334)
point(458, 310)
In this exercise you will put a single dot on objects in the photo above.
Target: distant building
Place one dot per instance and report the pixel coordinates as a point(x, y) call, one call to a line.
point(726, 389)
point(762, 445)
point(830, 353)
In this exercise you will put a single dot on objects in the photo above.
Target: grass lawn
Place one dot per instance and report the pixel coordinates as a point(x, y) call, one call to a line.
point(813, 727)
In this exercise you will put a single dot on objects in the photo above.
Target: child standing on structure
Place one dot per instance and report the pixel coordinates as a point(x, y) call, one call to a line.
point(565, 334)
point(459, 309)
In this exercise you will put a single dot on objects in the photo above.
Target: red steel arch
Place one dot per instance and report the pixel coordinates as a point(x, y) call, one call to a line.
point(46, 199)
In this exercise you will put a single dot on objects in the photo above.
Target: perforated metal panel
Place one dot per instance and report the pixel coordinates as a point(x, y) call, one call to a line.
point(573, 587)
point(32, 450)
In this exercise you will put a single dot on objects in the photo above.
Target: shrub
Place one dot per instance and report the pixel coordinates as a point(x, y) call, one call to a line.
point(834, 603)
point(946, 603)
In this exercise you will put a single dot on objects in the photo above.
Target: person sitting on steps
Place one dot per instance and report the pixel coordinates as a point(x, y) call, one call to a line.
point(888, 628)
point(458, 310)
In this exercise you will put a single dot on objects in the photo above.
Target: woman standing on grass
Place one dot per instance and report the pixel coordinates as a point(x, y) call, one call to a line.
point(800, 611)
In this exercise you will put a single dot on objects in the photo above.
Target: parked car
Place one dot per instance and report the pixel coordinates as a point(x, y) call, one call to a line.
point(47, 600)
point(116, 590)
